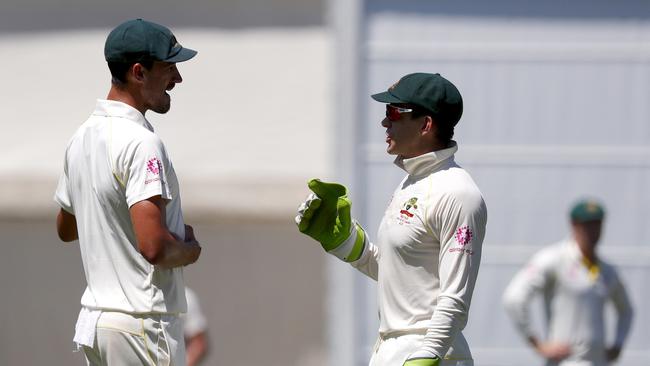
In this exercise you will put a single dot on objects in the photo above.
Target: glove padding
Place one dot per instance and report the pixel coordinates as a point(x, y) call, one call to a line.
point(422, 362)
point(325, 216)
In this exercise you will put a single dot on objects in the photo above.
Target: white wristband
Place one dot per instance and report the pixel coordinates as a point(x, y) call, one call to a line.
point(352, 248)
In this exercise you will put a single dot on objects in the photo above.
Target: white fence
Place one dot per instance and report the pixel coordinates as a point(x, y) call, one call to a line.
point(555, 109)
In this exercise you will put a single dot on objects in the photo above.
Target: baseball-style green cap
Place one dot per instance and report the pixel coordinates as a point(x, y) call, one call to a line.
point(137, 40)
point(429, 91)
point(587, 210)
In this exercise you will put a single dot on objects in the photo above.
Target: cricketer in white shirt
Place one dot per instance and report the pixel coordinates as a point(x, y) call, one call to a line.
point(117, 138)
point(427, 255)
point(113, 161)
point(428, 249)
point(574, 295)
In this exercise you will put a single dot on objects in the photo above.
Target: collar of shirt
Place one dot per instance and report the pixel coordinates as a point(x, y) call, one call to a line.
point(593, 268)
point(113, 108)
point(426, 163)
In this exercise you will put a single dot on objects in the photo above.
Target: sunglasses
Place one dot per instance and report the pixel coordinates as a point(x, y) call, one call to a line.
point(394, 113)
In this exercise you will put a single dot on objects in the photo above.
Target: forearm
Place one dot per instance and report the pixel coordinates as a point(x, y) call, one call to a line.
point(174, 253)
point(196, 349)
point(449, 317)
point(367, 263)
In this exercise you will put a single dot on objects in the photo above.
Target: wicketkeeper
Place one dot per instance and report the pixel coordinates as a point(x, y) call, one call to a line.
point(428, 248)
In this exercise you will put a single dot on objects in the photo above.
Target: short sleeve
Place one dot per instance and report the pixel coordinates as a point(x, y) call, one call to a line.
point(62, 194)
point(147, 171)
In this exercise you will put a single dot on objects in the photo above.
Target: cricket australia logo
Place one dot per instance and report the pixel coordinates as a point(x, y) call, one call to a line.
point(464, 235)
point(412, 203)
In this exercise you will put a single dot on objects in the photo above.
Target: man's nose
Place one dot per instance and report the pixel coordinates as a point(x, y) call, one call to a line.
point(177, 76)
point(385, 122)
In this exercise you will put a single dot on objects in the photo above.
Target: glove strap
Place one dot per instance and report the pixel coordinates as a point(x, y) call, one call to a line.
point(352, 248)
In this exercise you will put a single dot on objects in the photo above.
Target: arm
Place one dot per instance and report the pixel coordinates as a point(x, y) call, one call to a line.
point(155, 242)
point(66, 226)
point(195, 328)
point(625, 313)
point(461, 226)
point(325, 216)
point(532, 279)
point(196, 347)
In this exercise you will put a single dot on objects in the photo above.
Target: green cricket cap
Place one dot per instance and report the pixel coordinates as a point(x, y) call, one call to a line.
point(429, 91)
point(137, 40)
point(587, 210)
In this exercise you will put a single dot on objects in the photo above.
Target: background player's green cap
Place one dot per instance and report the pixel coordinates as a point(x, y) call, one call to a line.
point(137, 40)
point(587, 210)
point(429, 91)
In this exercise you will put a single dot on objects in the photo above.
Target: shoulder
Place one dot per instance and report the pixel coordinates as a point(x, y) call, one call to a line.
point(456, 187)
point(141, 139)
point(609, 271)
point(551, 255)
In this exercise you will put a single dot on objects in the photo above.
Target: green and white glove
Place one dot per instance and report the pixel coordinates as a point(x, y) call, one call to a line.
point(325, 216)
point(422, 358)
point(422, 362)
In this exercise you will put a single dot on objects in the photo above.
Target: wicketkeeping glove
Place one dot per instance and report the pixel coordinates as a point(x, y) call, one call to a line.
point(422, 362)
point(325, 216)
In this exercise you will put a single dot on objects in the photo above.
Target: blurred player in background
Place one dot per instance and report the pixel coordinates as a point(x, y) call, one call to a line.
point(119, 196)
point(195, 328)
point(428, 249)
point(576, 284)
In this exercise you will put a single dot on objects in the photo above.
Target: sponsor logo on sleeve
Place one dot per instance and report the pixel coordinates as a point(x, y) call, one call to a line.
point(463, 237)
point(154, 168)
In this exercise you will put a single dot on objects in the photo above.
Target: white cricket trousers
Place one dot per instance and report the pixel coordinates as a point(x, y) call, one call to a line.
point(393, 351)
point(127, 339)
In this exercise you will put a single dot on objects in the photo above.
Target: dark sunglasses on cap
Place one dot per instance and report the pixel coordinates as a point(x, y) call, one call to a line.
point(393, 113)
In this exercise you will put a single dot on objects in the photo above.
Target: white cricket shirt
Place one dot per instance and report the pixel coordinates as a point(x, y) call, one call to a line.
point(427, 254)
point(112, 161)
point(575, 299)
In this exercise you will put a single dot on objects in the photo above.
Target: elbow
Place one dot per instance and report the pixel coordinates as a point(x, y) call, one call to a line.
point(66, 237)
point(153, 250)
point(66, 227)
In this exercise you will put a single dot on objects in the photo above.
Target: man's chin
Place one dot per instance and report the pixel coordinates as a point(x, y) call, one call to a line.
point(162, 109)
point(391, 151)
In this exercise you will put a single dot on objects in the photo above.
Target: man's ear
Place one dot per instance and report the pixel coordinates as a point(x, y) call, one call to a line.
point(137, 72)
point(427, 124)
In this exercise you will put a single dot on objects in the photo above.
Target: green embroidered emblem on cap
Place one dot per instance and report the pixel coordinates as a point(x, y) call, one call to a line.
point(137, 40)
point(429, 91)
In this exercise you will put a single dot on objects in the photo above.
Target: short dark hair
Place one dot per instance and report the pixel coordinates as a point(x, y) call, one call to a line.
point(445, 129)
point(119, 69)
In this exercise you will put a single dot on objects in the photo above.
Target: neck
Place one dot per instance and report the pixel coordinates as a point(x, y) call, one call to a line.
point(122, 94)
point(439, 146)
point(590, 254)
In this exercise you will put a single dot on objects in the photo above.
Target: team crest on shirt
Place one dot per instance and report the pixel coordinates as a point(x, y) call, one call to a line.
point(154, 167)
point(405, 214)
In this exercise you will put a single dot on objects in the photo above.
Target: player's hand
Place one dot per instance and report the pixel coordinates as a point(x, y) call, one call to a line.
point(189, 234)
point(325, 216)
point(612, 353)
point(422, 362)
point(555, 352)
